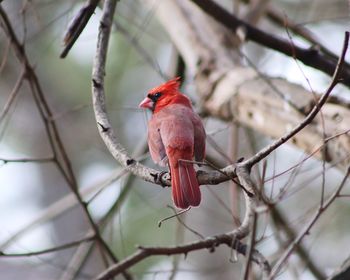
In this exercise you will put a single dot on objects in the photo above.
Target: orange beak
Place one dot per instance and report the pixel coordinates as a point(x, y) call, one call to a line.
point(147, 103)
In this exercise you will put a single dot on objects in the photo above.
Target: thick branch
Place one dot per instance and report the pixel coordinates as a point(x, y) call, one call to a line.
point(311, 57)
point(108, 134)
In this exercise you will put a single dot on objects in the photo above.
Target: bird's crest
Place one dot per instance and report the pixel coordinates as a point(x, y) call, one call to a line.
point(168, 87)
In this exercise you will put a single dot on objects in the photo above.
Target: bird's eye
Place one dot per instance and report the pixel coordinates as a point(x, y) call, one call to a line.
point(154, 97)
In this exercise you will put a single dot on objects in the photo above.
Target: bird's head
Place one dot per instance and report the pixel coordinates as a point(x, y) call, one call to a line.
point(163, 95)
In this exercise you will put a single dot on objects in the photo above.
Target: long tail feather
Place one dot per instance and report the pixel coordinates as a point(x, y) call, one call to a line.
point(189, 184)
point(178, 195)
point(185, 188)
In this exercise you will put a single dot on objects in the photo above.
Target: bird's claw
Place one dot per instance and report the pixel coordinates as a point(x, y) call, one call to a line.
point(159, 178)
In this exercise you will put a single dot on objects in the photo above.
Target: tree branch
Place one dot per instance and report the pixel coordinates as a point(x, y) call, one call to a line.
point(282, 20)
point(311, 57)
point(336, 79)
point(77, 25)
point(50, 250)
point(208, 243)
point(108, 134)
point(241, 94)
point(308, 227)
point(251, 244)
point(117, 150)
point(282, 225)
point(12, 96)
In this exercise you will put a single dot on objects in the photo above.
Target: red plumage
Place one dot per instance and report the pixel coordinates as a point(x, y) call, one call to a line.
point(175, 136)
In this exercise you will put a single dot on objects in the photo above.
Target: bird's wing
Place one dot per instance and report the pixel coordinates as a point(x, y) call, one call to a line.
point(155, 143)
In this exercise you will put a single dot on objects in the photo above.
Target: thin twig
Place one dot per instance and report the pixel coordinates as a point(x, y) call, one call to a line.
point(5, 56)
point(50, 250)
point(141, 50)
point(316, 150)
point(184, 224)
point(307, 228)
point(338, 71)
point(235, 219)
point(281, 225)
point(275, 16)
point(173, 216)
point(179, 238)
point(12, 96)
point(324, 136)
point(250, 248)
point(273, 87)
point(77, 261)
point(26, 160)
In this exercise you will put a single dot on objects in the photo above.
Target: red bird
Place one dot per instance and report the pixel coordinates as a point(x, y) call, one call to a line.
point(175, 136)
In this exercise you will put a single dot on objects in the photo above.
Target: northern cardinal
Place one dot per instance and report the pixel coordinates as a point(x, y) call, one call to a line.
point(175, 136)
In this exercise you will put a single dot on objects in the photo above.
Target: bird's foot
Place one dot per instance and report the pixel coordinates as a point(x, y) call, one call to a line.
point(159, 178)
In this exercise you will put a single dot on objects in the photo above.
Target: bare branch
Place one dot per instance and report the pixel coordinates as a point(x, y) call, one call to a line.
point(108, 134)
point(25, 160)
point(310, 57)
point(208, 243)
point(281, 224)
point(12, 96)
point(275, 16)
point(251, 248)
point(77, 25)
point(50, 250)
point(5, 56)
point(99, 105)
point(336, 79)
point(140, 49)
point(307, 228)
point(76, 262)
point(181, 222)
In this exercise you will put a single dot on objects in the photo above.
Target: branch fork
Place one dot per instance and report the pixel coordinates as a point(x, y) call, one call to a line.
point(241, 169)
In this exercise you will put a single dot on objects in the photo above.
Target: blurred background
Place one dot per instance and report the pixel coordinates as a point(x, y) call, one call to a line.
point(37, 207)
